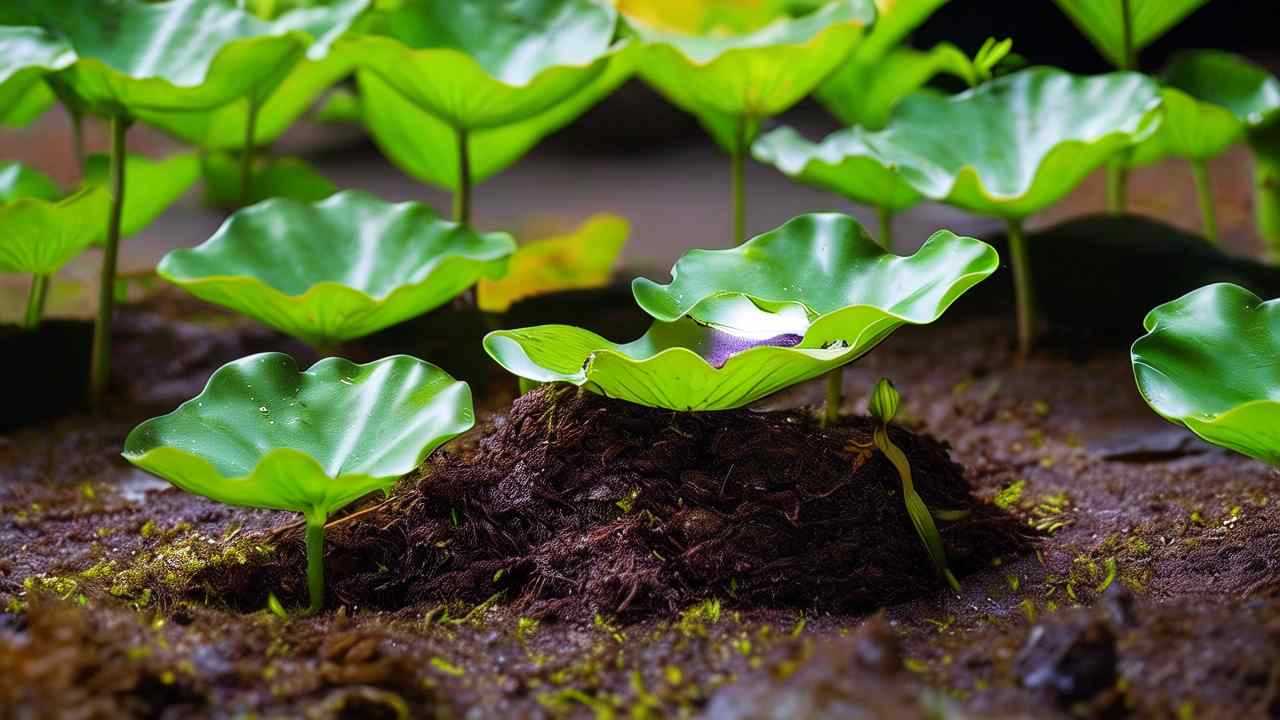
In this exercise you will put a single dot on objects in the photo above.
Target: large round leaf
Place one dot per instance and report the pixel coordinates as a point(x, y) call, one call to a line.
point(485, 65)
point(1251, 93)
point(1103, 22)
point(1189, 129)
point(339, 269)
point(756, 74)
point(864, 91)
point(39, 235)
point(427, 148)
point(1018, 144)
point(262, 434)
point(737, 325)
point(1208, 362)
point(842, 163)
point(27, 54)
point(181, 54)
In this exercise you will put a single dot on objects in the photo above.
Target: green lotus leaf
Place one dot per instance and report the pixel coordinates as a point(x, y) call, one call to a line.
point(342, 106)
point(736, 325)
point(755, 74)
point(153, 186)
point(224, 128)
point(842, 163)
point(865, 91)
point(1189, 129)
point(339, 269)
point(427, 148)
point(263, 434)
point(1251, 93)
point(27, 54)
point(286, 177)
point(1207, 362)
point(1051, 128)
point(179, 55)
point(39, 235)
point(19, 181)
point(1103, 22)
point(484, 65)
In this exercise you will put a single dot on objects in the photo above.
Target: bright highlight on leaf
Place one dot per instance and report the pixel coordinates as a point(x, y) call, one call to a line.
point(339, 269)
point(1207, 362)
point(580, 259)
point(27, 55)
point(264, 434)
point(736, 325)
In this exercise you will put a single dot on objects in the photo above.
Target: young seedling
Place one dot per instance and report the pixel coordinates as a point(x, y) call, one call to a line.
point(1053, 129)
point(339, 269)
point(883, 406)
point(1120, 29)
point(732, 82)
point(488, 73)
point(1205, 364)
point(736, 325)
point(40, 230)
point(262, 434)
point(182, 55)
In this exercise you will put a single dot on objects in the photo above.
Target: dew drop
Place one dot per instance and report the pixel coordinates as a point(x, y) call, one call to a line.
point(262, 408)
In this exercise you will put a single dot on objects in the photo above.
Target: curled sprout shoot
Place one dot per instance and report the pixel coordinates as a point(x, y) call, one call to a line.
point(883, 406)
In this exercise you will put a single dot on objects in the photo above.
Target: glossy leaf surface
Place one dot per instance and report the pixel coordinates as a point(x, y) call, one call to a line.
point(485, 65)
point(1018, 144)
point(152, 185)
point(19, 181)
point(737, 325)
point(179, 55)
point(757, 74)
point(1251, 93)
point(339, 269)
point(264, 434)
point(842, 163)
point(1208, 362)
point(1102, 21)
point(583, 258)
point(276, 177)
point(27, 54)
point(1189, 129)
point(40, 235)
point(427, 148)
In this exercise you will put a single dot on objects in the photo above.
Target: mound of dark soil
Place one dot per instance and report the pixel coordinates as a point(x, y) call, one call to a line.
point(575, 504)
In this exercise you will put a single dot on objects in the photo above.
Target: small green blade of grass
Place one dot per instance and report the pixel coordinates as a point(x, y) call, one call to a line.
point(919, 512)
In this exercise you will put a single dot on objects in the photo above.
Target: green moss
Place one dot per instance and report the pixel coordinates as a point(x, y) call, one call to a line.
point(1009, 496)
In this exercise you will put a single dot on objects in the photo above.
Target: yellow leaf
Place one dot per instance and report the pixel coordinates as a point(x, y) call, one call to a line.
point(578, 260)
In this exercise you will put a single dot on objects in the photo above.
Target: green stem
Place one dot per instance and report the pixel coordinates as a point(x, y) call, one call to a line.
point(1023, 291)
point(35, 301)
point(462, 196)
point(886, 228)
point(737, 169)
point(100, 369)
point(919, 513)
point(527, 385)
point(246, 153)
point(1118, 184)
point(315, 562)
point(77, 138)
point(835, 397)
point(1266, 200)
point(1204, 193)
point(1128, 57)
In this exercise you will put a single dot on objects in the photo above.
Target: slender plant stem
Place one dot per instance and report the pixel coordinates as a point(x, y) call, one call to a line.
point(1204, 193)
point(1266, 199)
point(835, 396)
point(737, 170)
point(1118, 168)
point(462, 196)
point(246, 153)
point(35, 301)
point(315, 562)
point(1128, 58)
point(1023, 291)
point(77, 138)
point(100, 370)
point(886, 227)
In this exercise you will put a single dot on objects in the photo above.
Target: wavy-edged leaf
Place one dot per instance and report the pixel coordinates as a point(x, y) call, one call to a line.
point(1251, 93)
point(338, 269)
point(427, 148)
point(1189, 129)
point(39, 235)
point(842, 163)
point(1208, 362)
point(19, 181)
point(282, 177)
point(1018, 144)
point(182, 54)
point(152, 185)
point(27, 55)
point(582, 258)
point(1102, 21)
point(864, 92)
point(754, 74)
point(485, 65)
point(224, 128)
point(265, 434)
point(737, 325)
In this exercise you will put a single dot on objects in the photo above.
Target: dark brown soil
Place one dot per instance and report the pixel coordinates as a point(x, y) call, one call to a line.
point(1153, 589)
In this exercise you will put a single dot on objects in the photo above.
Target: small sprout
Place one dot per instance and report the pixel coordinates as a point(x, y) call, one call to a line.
point(883, 405)
point(275, 608)
point(989, 57)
